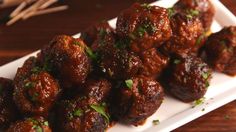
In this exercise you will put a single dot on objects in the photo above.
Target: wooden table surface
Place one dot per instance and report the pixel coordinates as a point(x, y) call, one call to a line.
point(27, 36)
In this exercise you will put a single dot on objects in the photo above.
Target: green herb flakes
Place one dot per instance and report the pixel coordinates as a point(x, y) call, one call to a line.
point(90, 53)
point(193, 12)
point(171, 12)
point(101, 110)
point(29, 85)
point(78, 112)
point(129, 83)
point(176, 61)
point(226, 117)
point(46, 123)
point(199, 102)
point(205, 75)
point(200, 38)
point(145, 5)
point(37, 128)
point(155, 122)
point(36, 70)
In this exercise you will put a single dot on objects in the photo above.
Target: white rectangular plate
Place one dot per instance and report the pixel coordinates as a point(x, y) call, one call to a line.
point(172, 112)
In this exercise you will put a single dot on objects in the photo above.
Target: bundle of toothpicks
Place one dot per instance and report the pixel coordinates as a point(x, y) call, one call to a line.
point(29, 8)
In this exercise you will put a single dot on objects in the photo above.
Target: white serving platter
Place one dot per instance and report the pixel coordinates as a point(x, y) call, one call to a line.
point(172, 112)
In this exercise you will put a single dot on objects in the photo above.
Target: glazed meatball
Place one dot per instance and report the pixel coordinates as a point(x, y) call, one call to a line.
point(97, 90)
point(95, 31)
point(203, 8)
point(220, 50)
point(187, 78)
point(188, 35)
point(8, 112)
point(136, 100)
point(153, 63)
point(35, 91)
point(69, 60)
point(79, 115)
point(119, 63)
point(146, 26)
point(36, 124)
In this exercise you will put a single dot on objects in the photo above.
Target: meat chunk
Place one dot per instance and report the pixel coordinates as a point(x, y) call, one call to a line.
point(202, 8)
point(146, 26)
point(69, 58)
point(136, 99)
point(94, 32)
point(220, 50)
point(8, 111)
point(79, 115)
point(35, 90)
point(35, 124)
point(188, 35)
point(187, 78)
point(97, 90)
point(153, 63)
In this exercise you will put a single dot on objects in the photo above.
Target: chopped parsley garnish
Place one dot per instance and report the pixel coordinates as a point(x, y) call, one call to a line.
point(203, 109)
point(171, 12)
point(78, 112)
point(205, 75)
point(45, 123)
point(176, 61)
point(200, 38)
point(155, 122)
point(102, 33)
point(36, 69)
point(199, 101)
point(35, 96)
point(145, 5)
point(90, 53)
point(37, 128)
point(29, 85)
point(129, 83)
point(101, 110)
point(77, 43)
point(193, 12)
point(141, 31)
point(207, 84)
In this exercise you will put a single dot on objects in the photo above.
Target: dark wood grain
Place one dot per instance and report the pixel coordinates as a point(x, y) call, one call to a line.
point(27, 36)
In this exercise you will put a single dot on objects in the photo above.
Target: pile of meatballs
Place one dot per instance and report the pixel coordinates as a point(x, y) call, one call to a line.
point(118, 75)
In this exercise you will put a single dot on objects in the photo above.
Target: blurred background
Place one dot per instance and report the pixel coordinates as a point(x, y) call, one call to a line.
point(24, 37)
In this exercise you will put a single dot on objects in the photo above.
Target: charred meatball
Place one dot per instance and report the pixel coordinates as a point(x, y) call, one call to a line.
point(69, 60)
point(220, 51)
point(136, 100)
point(35, 91)
point(187, 78)
point(203, 8)
point(8, 110)
point(153, 63)
point(97, 90)
point(146, 26)
point(79, 115)
point(95, 32)
point(188, 35)
point(36, 124)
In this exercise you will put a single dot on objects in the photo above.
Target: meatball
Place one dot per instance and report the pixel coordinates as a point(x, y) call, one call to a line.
point(153, 63)
point(220, 50)
point(97, 90)
point(187, 78)
point(79, 115)
point(136, 100)
point(35, 124)
point(69, 59)
point(35, 90)
point(203, 8)
point(8, 112)
point(146, 26)
point(96, 31)
point(188, 35)
point(119, 63)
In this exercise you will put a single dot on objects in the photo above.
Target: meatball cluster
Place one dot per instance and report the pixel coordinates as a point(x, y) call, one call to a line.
point(107, 75)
